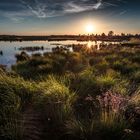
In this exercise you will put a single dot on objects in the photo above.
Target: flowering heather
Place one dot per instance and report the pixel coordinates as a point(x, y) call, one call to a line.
point(112, 102)
point(89, 98)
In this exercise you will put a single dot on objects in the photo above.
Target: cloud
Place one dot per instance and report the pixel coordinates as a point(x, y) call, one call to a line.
point(44, 8)
point(123, 12)
point(98, 4)
point(16, 17)
point(51, 8)
point(110, 4)
point(38, 9)
point(72, 7)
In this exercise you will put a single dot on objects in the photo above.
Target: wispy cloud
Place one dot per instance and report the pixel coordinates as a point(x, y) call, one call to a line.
point(38, 9)
point(16, 17)
point(98, 5)
point(51, 8)
point(72, 7)
point(42, 10)
point(110, 4)
point(123, 12)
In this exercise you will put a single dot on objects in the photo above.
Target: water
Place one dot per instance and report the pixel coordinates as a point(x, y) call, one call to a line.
point(9, 49)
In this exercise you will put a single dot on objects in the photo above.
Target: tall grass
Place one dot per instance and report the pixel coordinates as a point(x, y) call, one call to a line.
point(15, 94)
point(67, 88)
point(56, 103)
point(21, 88)
point(110, 124)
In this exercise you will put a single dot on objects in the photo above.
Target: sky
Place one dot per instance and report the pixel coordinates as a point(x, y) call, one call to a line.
point(47, 17)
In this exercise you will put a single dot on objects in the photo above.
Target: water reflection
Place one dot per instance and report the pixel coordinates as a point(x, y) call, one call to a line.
point(8, 50)
point(98, 47)
point(93, 45)
point(89, 44)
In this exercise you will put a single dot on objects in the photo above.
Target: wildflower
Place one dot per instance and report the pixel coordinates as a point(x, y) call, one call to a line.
point(137, 110)
point(112, 102)
point(49, 119)
point(128, 131)
point(89, 98)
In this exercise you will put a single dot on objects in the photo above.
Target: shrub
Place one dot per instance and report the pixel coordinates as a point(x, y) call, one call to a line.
point(135, 99)
point(56, 99)
point(95, 61)
point(106, 82)
point(135, 58)
point(110, 124)
point(102, 67)
point(75, 62)
point(21, 88)
point(111, 58)
point(22, 56)
point(36, 66)
point(85, 83)
point(10, 105)
point(136, 77)
point(122, 87)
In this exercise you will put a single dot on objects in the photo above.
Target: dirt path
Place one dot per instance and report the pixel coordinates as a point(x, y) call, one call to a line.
point(32, 124)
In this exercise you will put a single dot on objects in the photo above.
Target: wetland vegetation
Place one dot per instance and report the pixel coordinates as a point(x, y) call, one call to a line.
point(84, 94)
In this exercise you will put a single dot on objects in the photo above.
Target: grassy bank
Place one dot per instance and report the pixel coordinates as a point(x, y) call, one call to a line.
point(85, 94)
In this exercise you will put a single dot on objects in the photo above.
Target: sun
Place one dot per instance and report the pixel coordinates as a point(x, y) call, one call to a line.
point(89, 28)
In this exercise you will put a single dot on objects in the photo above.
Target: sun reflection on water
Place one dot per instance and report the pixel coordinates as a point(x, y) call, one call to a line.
point(89, 44)
point(93, 45)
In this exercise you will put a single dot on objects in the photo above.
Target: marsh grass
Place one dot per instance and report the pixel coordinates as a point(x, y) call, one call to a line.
point(56, 100)
point(11, 127)
point(109, 124)
point(21, 88)
point(15, 94)
point(82, 95)
point(22, 57)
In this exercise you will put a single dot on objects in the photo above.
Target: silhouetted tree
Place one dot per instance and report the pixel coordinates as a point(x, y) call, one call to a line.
point(110, 33)
point(122, 34)
point(103, 35)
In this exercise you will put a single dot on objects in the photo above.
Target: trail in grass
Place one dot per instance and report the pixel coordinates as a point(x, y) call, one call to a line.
point(32, 124)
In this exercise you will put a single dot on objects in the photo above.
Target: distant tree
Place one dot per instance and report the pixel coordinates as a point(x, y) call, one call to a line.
point(96, 35)
point(110, 33)
point(136, 35)
point(103, 35)
point(122, 34)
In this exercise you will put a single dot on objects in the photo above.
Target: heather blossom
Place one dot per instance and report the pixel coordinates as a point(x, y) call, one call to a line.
point(112, 102)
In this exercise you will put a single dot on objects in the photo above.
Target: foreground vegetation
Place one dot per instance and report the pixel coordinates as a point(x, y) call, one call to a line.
point(85, 94)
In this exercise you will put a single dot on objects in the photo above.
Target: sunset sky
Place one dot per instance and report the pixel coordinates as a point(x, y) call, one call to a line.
point(45, 17)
